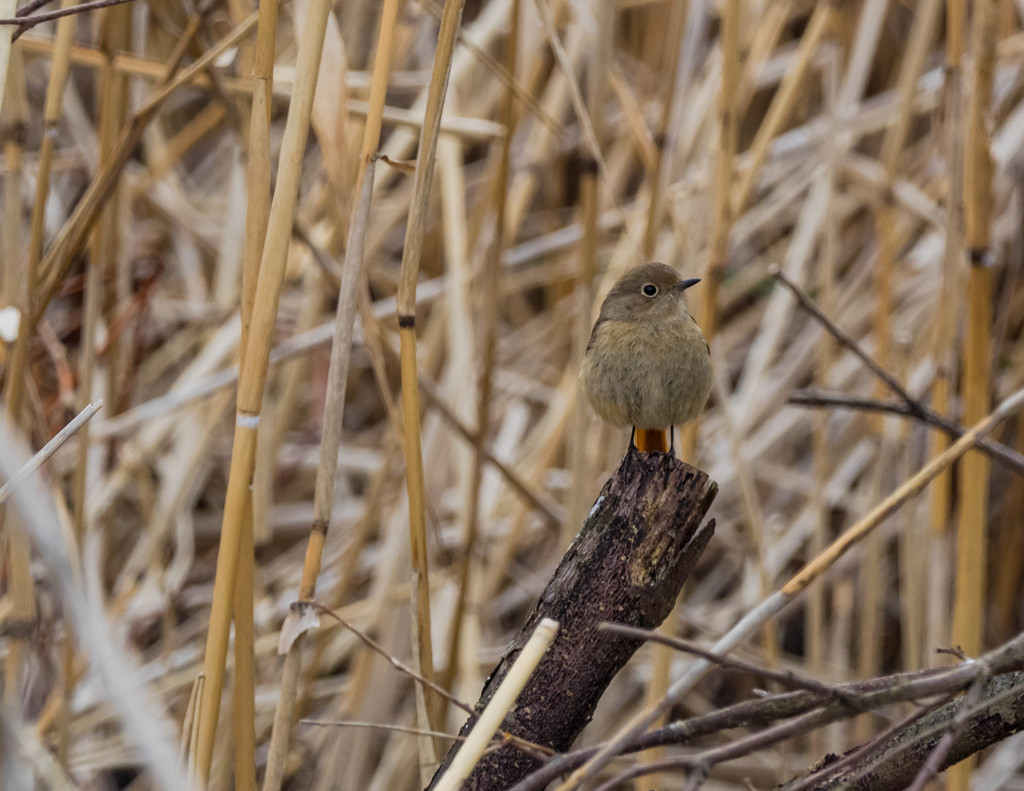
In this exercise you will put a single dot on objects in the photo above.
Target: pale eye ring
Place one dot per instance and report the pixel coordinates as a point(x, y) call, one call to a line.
point(650, 290)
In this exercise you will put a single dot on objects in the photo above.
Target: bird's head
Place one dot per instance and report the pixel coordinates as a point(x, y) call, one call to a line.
point(650, 290)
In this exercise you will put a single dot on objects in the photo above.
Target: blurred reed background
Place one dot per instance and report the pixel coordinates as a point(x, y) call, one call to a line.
point(158, 185)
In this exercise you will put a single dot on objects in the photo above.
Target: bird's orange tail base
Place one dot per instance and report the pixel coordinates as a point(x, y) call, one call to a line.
point(652, 439)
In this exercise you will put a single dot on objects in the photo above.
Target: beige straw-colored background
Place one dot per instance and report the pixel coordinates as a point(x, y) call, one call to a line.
point(180, 204)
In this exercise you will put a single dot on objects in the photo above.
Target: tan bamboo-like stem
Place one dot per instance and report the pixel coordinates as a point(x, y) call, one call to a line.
point(21, 588)
point(255, 362)
point(243, 690)
point(256, 219)
point(259, 165)
point(725, 207)
point(406, 306)
point(582, 483)
point(969, 608)
point(490, 295)
point(938, 617)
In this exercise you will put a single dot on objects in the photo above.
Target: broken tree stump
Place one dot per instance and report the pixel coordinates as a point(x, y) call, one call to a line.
point(627, 565)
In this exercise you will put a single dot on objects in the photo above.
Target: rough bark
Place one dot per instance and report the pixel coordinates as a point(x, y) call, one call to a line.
point(897, 761)
point(627, 564)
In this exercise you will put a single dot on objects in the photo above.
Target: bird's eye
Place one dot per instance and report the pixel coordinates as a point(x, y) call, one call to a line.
point(650, 290)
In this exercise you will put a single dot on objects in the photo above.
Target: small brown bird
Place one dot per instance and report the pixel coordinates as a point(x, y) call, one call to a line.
point(648, 364)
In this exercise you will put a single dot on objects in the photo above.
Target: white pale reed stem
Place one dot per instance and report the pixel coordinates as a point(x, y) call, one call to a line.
point(492, 716)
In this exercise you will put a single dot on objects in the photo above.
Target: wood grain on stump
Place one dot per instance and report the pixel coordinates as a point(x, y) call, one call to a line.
point(627, 565)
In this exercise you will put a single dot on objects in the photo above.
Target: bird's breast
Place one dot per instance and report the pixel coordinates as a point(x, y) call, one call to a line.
point(649, 374)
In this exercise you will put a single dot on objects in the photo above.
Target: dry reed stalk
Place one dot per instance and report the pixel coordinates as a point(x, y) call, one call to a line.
point(488, 320)
point(679, 102)
point(491, 717)
point(370, 142)
point(323, 497)
point(254, 366)
point(427, 706)
point(583, 117)
point(968, 627)
point(873, 572)
point(243, 688)
point(87, 362)
point(971, 541)
point(105, 242)
point(20, 589)
point(581, 491)
point(718, 257)
point(541, 138)
point(766, 33)
point(814, 569)
point(937, 631)
point(725, 154)
point(460, 373)
point(60, 63)
point(782, 103)
point(674, 28)
point(13, 129)
point(60, 256)
point(257, 214)
point(103, 258)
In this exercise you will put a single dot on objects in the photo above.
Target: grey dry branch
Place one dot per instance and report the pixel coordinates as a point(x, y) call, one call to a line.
point(847, 340)
point(999, 713)
point(992, 448)
point(726, 663)
point(856, 755)
point(804, 712)
point(25, 20)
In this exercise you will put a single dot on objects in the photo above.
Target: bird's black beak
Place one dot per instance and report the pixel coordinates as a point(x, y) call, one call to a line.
point(685, 284)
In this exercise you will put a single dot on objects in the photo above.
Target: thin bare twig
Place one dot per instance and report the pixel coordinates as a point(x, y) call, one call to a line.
point(382, 726)
point(51, 447)
point(847, 340)
point(28, 22)
point(727, 663)
point(991, 447)
point(537, 750)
